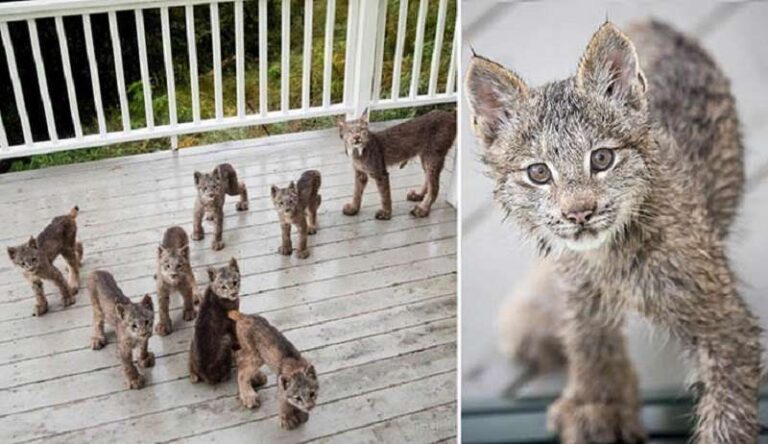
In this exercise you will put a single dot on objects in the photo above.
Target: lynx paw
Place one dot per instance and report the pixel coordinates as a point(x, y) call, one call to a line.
point(197, 235)
point(259, 380)
point(40, 309)
point(163, 328)
point(217, 245)
point(311, 230)
point(383, 215)
point(350, 210)
point(70, 300)
point(302, 254)
point(417, 211)
point(98, 343)
point(74, 289)
point(147, 361)
point(189, 315)
point(290, 421)
point(285, 251)
point(194, 378)
point(250, 400)
point(136, 382)
point(242, 206)
point(414, 196)
point(578, 423)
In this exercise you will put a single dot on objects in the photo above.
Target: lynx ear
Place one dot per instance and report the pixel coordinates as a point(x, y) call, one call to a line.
point(32, 242)
point(160, 251)
point(342, 126)
point(233, 265)
point(365, 117)
point(610, 67)
point(12, 252)
point(292, 185)
point(146, 302)
point(120, 311)
point(311, 372)
point(184, 251)
point(198, 175)
point(216, 174)
point(491, 90)
point(211, 274)
point(282, 381)
point(273, 190)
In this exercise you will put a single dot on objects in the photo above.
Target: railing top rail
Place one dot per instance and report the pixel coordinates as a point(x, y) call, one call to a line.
point(24, 10)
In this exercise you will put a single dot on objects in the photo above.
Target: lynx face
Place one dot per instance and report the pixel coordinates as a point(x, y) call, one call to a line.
point(209, 186)
point(286, 200)
point(570, 158)
point(137, 319)
point(300, 388)
point(26, 256)
point(355, 135)
point(172, 263)
point(225, 281)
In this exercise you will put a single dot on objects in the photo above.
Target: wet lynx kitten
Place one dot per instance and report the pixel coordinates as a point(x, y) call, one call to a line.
point(629, 175)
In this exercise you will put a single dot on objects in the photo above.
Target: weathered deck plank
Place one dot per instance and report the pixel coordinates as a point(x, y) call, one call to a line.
point(373, 307)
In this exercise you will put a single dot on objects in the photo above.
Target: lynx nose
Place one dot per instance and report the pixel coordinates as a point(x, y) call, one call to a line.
point(579, 215)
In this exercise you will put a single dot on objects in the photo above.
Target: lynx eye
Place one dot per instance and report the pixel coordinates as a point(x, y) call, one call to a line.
point(601, 159)
point(539, 173)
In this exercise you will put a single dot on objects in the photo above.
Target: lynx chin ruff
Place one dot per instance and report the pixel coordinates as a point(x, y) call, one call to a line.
point(628, 176)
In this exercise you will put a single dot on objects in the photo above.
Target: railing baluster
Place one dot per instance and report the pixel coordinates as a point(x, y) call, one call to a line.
point(239, 58)
point(263, 57)
point(379, 60)
point(351, 43)
point(330, 21)
point(285, 56)
point(450, 84)
point(170, 78)
point(402, 18)
point(18, 93)
point(216, 42)
point(439, 34)
point(117, 51)
point(42, 79)
point(418, 48)
point(94, 68)
point(3, 138)
point(67, 68)
point(145, 81)
point(189, 13)
point(306, 70)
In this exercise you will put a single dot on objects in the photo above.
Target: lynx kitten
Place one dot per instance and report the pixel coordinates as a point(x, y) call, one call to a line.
point(212, 189)
point(174, 273)
point(297, 204)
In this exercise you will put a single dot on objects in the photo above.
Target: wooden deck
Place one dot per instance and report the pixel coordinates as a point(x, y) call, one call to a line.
point(374, 307)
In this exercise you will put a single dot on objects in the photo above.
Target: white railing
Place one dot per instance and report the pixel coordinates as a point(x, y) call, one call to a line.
point(363, 67)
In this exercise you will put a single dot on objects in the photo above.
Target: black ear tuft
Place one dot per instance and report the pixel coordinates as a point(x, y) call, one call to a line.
point(198, 175)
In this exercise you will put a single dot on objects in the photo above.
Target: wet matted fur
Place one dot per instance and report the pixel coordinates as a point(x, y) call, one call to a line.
point(629, 180)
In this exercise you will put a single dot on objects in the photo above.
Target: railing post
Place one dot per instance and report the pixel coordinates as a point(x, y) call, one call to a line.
point(364, 57)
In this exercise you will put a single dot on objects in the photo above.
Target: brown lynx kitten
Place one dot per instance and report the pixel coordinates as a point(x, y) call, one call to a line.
point(261, 343)
point(211, 192)
point(36, 257)
point(132, 323)
point(210, 354)
point(174, 273)
point(629, 175)
point(429, 136)
point(297, 205)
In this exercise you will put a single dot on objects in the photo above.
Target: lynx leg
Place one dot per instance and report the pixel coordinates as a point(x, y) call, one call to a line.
point(41, 303)
point(71, 256)
point(243, 191)
point(248, 377)
point(382, 182)
point(286, 248)
point(312, 214)
point(361, 180)
point(189, 295)
point(80, 253)
point(417, 196)
point(600, 401)
point(197, 221)
point(98, 338)
point(53, 274)
point(303, 252)
point(164, 326)
point(146, 357)
point(218, 220)
point(134, 379)
point(432, 169)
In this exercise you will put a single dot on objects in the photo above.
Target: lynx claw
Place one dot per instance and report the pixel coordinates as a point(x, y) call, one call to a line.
point(285, 251)
point(414, 196)
point(136, 382)
point(592, 422)
point(350, 210)
point(98, 343)
point(163, 328)
point(40, 309)
point(147, 361)
point(217, 245)
point(417, 211)
point(189, 315)
point(383, 215)
point(250, 400)
point(241, 206)
point(302, 254)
